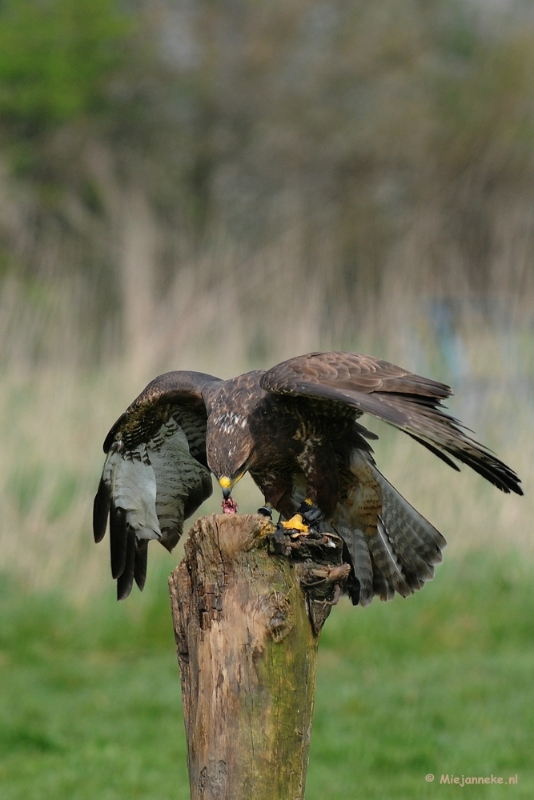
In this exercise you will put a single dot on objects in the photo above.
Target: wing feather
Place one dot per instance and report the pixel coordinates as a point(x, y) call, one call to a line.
point(126, 578)
point(392, 547)
point(155, 473)
point(141, 560)
point(101, 506)
point(118, 531)
point(407, 401)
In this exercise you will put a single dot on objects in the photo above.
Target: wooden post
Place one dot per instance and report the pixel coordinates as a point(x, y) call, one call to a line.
point(247, 636)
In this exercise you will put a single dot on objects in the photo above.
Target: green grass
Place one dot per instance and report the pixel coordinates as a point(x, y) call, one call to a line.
point(89, 689)
point(438, 683)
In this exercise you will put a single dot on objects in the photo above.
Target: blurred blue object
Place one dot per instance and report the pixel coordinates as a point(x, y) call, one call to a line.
point(443, 316)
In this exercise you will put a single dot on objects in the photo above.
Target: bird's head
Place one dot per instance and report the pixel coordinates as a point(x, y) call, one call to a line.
point(229, 447)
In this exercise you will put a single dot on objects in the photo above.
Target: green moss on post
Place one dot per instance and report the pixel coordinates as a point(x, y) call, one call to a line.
point(247, 652)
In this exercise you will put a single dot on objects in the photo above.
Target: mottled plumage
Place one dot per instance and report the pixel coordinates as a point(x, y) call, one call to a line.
point(295, 429)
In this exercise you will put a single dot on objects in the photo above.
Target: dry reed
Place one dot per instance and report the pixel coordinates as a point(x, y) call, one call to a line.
point(224, 315)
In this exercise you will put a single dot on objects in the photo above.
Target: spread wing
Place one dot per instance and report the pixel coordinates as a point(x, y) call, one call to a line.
point(155, 474)
point(408, 401)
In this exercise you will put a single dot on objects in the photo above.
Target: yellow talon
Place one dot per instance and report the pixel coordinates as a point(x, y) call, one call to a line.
point(296, 523)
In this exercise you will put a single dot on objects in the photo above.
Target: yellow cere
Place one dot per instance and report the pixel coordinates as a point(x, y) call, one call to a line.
point(225, 483)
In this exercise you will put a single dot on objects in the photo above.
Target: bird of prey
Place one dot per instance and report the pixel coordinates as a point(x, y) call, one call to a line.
point(295, 428)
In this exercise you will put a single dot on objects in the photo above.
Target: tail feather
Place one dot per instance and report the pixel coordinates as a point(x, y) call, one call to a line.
point(399, 549)
point(413, 537)
point(387, 561)
point(381, 588)
point(361, 561)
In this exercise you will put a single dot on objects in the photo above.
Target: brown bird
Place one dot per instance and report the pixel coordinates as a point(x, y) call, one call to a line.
point(295, 429)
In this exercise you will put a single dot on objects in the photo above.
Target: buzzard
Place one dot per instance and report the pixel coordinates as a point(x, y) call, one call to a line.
point(295, 428)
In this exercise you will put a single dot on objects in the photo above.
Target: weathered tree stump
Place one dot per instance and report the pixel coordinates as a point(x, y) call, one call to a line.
point(248, 605)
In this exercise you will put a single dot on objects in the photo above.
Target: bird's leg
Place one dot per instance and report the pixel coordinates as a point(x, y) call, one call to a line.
point(319, 465)
point(276, 488)
point(266, 510)
point(304, 519)
point(310, 512)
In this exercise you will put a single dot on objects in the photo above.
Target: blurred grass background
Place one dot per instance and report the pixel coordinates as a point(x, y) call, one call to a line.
point(217, 186)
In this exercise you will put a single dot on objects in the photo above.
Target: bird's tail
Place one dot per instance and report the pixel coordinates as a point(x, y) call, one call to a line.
point(392, 547)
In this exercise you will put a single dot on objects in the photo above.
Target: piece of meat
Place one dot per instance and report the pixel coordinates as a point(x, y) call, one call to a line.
point(229, 506)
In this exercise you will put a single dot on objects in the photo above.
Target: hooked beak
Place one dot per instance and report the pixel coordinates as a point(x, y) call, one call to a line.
point(227, 484)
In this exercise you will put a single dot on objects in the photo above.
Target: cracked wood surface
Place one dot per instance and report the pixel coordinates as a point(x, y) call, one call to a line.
point(247, 653)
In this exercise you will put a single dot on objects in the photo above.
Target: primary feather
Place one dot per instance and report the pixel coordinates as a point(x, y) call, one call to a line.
point(154, 476)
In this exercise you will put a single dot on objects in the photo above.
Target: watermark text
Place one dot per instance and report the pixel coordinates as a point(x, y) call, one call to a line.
point(471, 780)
